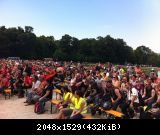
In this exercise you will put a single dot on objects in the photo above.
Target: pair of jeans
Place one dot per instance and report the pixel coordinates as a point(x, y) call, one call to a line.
point(150, 102)
point(42, 103)
point(126, 110)
point(30, 97)
point(36, 98)
point(116, 104)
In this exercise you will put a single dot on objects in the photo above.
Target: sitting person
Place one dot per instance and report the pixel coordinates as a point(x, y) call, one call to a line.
point(35, 86)
point(39, 90)
point(67, 111)
point(94, 93)
point(80, 107)
point(76, 111)
point(64, 102)
point(46, 95)
point(157, 103)
point(149, 96)
point(114, 94)
point(132, 101)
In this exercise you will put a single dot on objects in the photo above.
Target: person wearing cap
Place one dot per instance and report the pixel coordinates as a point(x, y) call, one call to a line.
point(153, 74)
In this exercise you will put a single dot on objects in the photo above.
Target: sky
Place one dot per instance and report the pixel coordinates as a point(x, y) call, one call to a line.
point(135, 21)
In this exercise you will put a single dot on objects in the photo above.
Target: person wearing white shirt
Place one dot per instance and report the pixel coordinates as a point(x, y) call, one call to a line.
point(132, 95)
point(132, 101)
point(35, 85)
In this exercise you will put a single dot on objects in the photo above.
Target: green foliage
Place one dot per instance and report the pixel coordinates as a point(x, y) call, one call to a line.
point(23, 43)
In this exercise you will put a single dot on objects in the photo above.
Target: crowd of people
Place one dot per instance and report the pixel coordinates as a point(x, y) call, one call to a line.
point(124, 88)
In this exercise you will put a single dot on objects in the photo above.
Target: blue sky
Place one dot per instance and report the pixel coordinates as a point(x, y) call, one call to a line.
point(136, 21)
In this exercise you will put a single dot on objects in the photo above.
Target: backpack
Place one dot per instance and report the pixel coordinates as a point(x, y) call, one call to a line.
point(37, 108)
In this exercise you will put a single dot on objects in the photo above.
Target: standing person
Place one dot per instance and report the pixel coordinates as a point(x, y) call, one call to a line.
point(27, 83)
point(11, 83)
point(28, 69)
point(19, 86)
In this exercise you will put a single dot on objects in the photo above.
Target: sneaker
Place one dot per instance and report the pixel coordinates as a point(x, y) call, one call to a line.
point(40, 112)
point(28, 104)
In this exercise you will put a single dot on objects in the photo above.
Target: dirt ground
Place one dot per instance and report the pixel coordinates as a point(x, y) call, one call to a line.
point(14, 108)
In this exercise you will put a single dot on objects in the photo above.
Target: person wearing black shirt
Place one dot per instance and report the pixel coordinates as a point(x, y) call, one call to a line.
point(28, 69)
point(94, 93)
point(19, 87)
point(113, 95)
point(46, 95)
point(149, 96)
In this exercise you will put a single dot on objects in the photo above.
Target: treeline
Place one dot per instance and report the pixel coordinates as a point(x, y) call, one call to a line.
point(23, 43)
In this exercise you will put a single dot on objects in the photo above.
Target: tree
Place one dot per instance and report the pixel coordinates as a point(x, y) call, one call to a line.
point(24, 43)
point(142, 55)
point(28, 29)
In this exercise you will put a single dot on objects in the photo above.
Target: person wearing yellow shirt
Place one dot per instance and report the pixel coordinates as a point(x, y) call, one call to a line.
point(76, 111)
point(66, 112)
point(64, 102)
point(80, 106)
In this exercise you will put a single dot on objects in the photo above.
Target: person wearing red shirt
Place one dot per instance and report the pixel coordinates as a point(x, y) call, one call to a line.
point(27, 83)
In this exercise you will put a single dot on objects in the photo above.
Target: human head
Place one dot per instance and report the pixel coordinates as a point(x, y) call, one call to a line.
point(109, 83)
point(128, 85)
point(78, 93)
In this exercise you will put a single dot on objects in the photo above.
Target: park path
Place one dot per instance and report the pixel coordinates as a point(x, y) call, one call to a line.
point(14, 108)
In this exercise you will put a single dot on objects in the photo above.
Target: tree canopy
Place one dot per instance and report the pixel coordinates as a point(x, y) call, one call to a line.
point(23, 43)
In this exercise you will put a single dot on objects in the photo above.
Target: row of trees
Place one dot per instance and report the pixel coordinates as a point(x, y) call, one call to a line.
point(23, 43)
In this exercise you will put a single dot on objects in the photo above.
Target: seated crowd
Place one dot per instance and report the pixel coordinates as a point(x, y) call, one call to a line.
point(126, 89)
